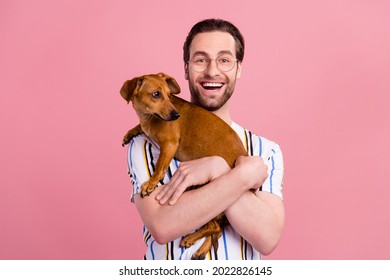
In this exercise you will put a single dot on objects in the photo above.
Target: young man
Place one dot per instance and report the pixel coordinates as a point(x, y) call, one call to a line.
point(213, 53)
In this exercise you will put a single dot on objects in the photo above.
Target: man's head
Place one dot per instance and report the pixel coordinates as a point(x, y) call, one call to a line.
point(210, 25)
point(213, 52)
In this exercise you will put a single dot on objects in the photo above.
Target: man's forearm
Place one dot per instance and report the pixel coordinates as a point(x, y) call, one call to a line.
point(259, 219)
point(194, 208)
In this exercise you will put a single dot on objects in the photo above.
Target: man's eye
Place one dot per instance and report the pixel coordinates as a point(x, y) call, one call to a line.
point(200, 60)
point(156, 94)
point(224, 60)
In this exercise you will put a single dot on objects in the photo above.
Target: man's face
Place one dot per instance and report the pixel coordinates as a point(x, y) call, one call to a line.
point(212, 88)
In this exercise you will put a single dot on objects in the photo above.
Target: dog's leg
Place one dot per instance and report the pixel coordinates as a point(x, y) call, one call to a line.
point(167, 152)
point(207, 230)
point(201, 253)
point(131, 134)
point(210, 241)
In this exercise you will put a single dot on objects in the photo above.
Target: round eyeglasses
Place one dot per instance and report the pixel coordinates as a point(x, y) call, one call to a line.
point(225, 63)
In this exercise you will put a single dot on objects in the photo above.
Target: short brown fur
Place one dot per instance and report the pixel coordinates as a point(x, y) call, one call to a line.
point(182, 130)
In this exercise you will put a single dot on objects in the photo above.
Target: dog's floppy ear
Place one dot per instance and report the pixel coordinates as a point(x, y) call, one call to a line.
point(172, 84)
point(129, 87)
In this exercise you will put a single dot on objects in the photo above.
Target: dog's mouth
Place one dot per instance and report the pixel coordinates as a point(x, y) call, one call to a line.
point(211, 85)
point(159, 117)
point(173, 116)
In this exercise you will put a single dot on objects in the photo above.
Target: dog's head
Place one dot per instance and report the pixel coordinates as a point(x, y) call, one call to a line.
point(150, 95)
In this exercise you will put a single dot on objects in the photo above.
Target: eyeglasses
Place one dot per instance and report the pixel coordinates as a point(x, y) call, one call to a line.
point(225, 63)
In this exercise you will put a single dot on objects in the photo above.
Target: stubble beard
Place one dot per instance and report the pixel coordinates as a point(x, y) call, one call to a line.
point(211, 103)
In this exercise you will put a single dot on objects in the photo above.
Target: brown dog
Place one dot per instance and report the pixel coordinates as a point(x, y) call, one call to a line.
point(182, 130)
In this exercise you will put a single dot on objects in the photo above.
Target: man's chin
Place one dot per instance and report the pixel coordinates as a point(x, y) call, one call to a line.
point(210, 100)
point(208, 104)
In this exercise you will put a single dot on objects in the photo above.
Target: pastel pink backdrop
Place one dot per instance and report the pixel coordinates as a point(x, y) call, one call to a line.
point(315, 79)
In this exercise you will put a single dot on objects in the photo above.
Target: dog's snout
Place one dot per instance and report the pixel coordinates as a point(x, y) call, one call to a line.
point(175, 115)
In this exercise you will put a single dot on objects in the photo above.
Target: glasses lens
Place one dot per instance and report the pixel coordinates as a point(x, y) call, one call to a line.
point(199, 64)
point(226, 63)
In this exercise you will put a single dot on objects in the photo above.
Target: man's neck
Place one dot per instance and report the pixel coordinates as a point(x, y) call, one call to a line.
point(224, 114)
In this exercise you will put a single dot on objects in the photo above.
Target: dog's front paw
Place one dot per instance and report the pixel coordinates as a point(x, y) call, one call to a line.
point(147, 188)
point(198, 257)
point(129, 135)
point(126, 139)
point(187, 241)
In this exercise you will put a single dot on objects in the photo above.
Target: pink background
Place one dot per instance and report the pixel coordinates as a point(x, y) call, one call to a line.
point(316, 79)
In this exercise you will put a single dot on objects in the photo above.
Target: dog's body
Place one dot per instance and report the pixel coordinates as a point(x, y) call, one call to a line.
point(182, 130)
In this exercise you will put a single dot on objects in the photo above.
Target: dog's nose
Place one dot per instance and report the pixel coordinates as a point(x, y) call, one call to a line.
point(175, 115)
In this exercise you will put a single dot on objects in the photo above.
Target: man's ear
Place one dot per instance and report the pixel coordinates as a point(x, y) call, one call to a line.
point(172, 84)
point(186, 75)
point(239, 69)
point(129, 87)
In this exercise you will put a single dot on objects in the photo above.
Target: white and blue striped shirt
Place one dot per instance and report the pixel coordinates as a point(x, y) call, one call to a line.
point(142, 158)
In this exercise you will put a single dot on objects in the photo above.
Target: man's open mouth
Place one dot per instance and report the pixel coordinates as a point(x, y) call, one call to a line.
point(210, 86)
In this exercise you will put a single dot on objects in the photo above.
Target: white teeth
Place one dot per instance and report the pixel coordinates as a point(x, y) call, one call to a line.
point(212, 84)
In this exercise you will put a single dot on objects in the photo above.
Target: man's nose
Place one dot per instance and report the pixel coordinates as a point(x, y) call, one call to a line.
point(213, 69)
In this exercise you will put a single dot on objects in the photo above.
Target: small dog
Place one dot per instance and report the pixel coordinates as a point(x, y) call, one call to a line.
point(182, 130)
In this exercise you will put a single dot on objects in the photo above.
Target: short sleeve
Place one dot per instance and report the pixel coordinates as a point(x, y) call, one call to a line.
point(139, 170)
point(273, 158)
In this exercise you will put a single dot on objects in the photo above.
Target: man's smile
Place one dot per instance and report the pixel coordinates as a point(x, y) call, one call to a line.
point(211, 85)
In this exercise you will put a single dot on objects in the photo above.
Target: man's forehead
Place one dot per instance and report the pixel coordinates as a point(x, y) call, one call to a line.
point(221, 52)
point(212, 43)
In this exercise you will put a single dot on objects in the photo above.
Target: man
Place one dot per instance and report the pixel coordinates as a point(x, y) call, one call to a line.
point(213, 54)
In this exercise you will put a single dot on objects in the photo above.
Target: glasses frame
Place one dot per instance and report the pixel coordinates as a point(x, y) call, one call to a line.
point(208, 66)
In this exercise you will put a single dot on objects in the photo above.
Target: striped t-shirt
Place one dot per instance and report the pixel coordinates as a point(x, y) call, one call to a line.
point(142, 158)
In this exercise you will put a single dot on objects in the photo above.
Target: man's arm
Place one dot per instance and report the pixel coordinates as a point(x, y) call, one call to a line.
point(258, 217)
point(196, 207)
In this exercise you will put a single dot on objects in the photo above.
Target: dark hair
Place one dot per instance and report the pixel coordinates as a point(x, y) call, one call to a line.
point(209, 25)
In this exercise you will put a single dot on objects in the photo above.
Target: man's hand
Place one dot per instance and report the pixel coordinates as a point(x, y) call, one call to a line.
point(254, 170)
point(191, 173)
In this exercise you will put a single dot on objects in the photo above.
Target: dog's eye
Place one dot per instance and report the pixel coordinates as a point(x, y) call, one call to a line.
point(156, 94)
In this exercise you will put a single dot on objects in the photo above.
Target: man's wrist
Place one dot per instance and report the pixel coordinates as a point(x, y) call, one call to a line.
point(220, 167)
